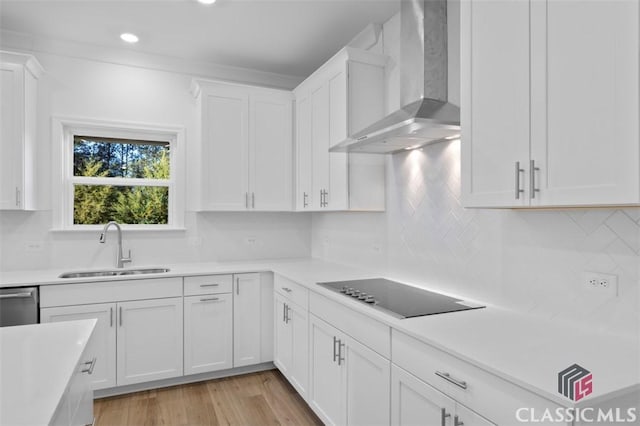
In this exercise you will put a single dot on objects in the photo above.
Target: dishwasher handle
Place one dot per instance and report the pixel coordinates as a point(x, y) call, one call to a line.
point(22, 295)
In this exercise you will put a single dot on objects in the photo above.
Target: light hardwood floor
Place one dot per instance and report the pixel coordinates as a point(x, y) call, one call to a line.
point(264, 398)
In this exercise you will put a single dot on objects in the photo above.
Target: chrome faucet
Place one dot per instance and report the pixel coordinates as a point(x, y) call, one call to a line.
point(120, 260)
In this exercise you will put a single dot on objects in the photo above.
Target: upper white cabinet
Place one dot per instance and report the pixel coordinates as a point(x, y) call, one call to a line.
point(343, 96)
point(550, 103)
point(18, 84)
point(246, 147)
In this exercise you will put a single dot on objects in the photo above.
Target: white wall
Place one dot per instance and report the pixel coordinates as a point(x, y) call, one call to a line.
point(81, 88)
point(528, 259)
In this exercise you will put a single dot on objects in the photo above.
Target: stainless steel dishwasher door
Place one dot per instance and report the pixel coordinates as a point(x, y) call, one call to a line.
point(18, 306)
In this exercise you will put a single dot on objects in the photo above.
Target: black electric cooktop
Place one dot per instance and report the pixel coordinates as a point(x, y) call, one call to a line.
point(397, 299)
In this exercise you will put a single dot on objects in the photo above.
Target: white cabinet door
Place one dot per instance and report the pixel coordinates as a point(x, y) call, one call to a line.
point(283, 337)
point(415, 403)
point(327, 381)
point(585, 102)
point(247, 319)
point(299, 372)
point(208, 328)
point(304, 191)
point(19, 75)
point(320, 144)
point(102, 345)
point(149, 340)
point(271, 152)
point(466, 417)
point(495, 115)
point(368, 385)
point(225, 148)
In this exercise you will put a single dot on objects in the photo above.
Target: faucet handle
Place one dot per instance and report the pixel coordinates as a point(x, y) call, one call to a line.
point(127, 259)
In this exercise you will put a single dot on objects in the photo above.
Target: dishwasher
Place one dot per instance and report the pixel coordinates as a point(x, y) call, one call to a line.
point(19, 306)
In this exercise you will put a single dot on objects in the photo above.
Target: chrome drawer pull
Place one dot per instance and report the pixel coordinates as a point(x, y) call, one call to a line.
point(335, 353)
point(518, 171)
point(210, 299)
point(209, 285)
point(288, 290)
point(91, 365)
point(450, 379)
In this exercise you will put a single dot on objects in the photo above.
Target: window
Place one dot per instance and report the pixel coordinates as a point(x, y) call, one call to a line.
point(119, 173)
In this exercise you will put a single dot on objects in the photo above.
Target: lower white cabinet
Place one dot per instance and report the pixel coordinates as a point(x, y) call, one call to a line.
point(349, 383)
point(291, 348)
point(76, 405)
point(208, 333)
point(247, 317)
point(149, 340)
point(416, 403)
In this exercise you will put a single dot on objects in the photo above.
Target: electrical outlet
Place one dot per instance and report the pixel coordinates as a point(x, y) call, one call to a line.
point(601, 283)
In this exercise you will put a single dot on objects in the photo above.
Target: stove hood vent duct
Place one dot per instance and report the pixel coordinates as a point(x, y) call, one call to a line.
point(426, 116)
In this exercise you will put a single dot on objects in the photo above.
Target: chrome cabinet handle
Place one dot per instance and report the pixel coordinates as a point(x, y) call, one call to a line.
point(209, 285)
point(305, 198)
point(16, 295)
point(518, 171)
point(238, 286)
point(326, 196)
point(340, 357)
point(91, 365)
point(284, 312)
point(321, 198)
point(532, 178)
point(246, 200)
point(286, 317)
point(457, 422)
point(210, 299)
point(17, 197)
point(287, 289)
point(448, 378)
point(443, 416)
point(111, 317)
point(253, 200)
point(335, 353)
point(120, 316)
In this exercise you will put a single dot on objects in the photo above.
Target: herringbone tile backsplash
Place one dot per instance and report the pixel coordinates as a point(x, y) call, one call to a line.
point(532, 260)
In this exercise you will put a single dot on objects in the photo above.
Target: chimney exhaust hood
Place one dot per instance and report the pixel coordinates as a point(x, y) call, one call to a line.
point(425, 116)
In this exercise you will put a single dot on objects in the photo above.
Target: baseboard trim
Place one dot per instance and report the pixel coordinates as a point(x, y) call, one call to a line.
point(192, 378)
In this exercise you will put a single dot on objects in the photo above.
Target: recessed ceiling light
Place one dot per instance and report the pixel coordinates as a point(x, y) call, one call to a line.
point(129, 38)
point(207, 1)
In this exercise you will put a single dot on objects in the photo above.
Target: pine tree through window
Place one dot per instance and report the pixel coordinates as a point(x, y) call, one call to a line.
point(124, 180)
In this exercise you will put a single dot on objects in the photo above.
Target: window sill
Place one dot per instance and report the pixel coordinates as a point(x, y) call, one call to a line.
point(136, 229)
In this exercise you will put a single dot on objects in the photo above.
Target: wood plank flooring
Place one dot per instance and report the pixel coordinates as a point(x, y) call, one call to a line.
point(264, 398)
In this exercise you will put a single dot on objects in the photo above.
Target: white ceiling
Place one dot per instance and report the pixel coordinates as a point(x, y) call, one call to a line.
point(289, 37)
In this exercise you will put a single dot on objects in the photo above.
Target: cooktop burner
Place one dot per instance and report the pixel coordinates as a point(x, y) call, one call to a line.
point(397, 299)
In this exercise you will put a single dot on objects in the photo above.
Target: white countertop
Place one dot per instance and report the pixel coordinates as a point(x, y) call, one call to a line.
point(524, 349)
point(37, 362)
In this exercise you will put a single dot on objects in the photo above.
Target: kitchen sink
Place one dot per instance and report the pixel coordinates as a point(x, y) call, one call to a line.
point(113, 273)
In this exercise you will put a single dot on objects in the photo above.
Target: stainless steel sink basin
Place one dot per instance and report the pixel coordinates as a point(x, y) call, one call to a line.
point(113, 273)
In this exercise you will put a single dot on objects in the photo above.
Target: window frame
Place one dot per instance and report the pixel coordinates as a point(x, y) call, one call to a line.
point(64, 131)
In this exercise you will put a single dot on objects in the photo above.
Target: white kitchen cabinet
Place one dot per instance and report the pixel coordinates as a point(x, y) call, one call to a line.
point(543, 123)
point(102, 345)
point(19, 74)
point(414, 403)
point(343, 96)
point(291, 345)
point(246, 147)
point(149, 340)
point(349, 382)
point(208, 333)
point(247, 319)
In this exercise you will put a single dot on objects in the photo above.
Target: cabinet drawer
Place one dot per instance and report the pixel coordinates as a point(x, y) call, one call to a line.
point(292, 290)
point(485, 393)
point(109, 291)
point(208, 284)
point(362, 328)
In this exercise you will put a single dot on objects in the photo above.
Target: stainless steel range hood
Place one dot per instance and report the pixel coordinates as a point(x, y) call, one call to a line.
point(425, 116)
